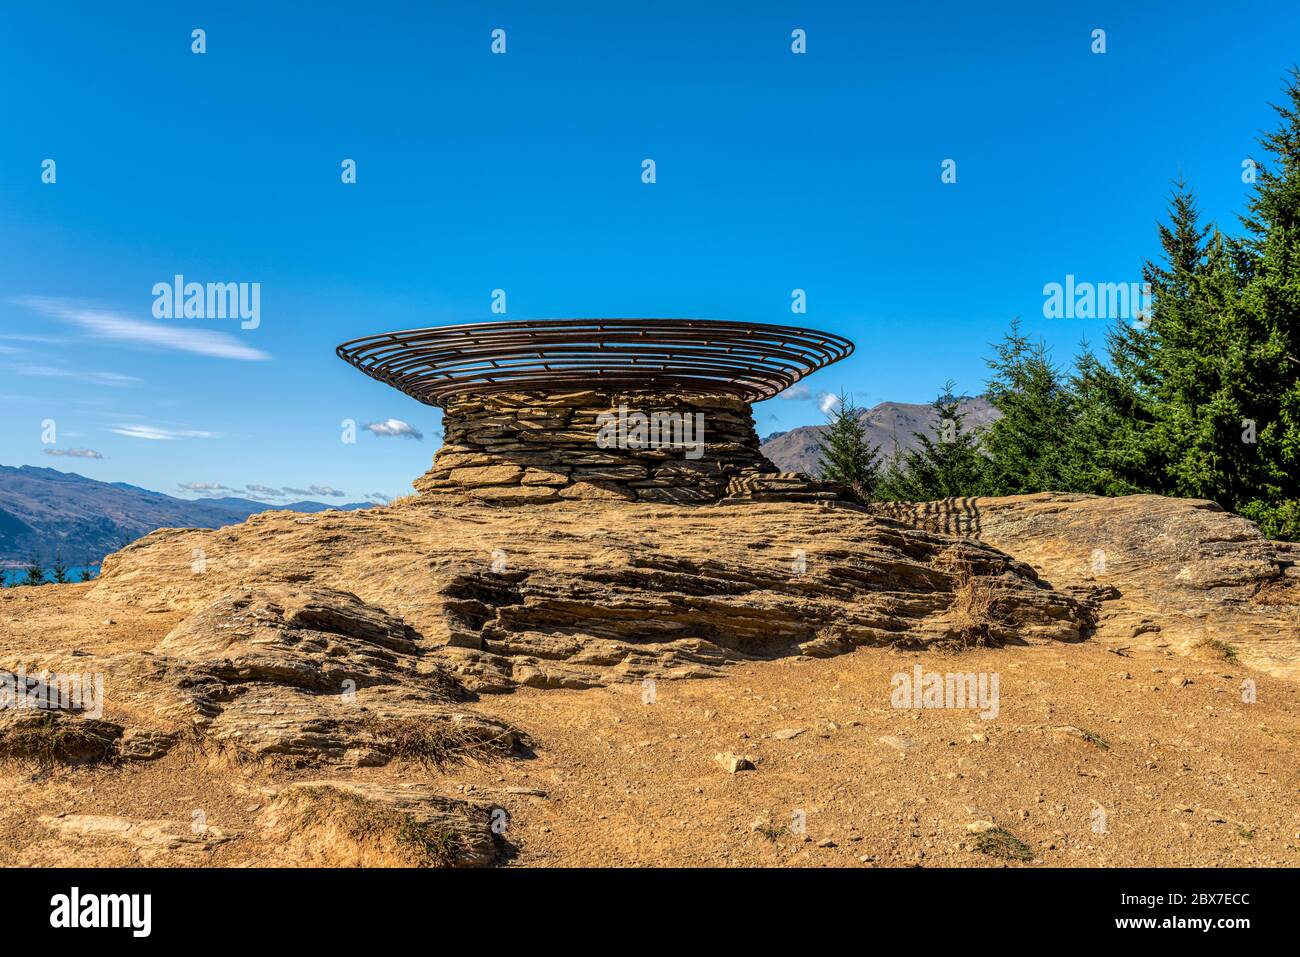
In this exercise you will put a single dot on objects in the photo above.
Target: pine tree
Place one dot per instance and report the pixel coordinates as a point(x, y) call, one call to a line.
point(1028, 446)
point(1271, 306)
point(846, 455)
point(59, 571)
point(35, 573)
point(85, 575)
point(948, 465)
point(1104, 446)
point(1167, 356)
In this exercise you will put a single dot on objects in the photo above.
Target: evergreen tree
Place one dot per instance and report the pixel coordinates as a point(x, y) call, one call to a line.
point(1208, 386)
point(1271, 349)
point(1029, 446)
point(1104, 447)
point(1199, 398)
point(1168, 357)
point(59, 572)
point(948, 465)
point(85, 575)
point(35, 573)
point(845, 453)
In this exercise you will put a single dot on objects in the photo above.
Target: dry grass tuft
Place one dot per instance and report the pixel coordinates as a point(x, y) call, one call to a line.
point(49, 738)
point(770, 832)
point(974, 610)
point(1281, 592)
point(999, 842)
point(392, 832)
point(1084, 734)
point(1220, 648)
point(438, 744)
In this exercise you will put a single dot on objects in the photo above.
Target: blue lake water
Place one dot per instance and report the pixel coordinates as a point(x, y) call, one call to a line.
point(11, 575)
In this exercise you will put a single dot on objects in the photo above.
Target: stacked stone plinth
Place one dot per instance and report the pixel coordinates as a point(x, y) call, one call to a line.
point(538, 446)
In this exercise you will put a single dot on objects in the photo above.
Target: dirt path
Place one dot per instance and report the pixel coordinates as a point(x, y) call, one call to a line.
point(1187, 774)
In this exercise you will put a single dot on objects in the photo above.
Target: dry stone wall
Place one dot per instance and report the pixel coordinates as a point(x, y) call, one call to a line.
point(633, 445)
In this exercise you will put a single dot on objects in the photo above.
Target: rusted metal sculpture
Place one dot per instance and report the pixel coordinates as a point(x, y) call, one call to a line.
point(750, 360)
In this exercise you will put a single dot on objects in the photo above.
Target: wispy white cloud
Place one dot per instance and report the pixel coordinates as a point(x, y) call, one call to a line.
point(827, 402)
point(18, 337)
point(393, 427)
point(160, 333)
point(155, 433)
point(796, 393)
point(54, 372)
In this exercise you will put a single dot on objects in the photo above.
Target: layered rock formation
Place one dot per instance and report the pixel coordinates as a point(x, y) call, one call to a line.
point(1179, 573)
point(299, 676)
point(573, 595)
point(647, 446)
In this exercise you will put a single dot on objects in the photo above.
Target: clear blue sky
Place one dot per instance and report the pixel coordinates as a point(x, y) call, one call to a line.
point(523, 172)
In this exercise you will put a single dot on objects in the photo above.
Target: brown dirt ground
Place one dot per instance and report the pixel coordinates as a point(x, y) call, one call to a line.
point(1192, 775)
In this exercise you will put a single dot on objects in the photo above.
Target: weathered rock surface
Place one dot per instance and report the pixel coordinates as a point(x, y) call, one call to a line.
point(1181, 573)
point(310, 675)
point(576, 595)
point(153, 841)
point(336, 824)
point(306, 677)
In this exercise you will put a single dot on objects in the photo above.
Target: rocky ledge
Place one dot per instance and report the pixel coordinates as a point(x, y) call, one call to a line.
point(1168, 572)
point(578, 594)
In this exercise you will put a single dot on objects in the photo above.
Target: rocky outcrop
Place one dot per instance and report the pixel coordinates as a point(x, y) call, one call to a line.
point(513, 448)
point(299, 677)
point(574, 595)
point(1181, 573)
point(310, 689)
point(314, 676)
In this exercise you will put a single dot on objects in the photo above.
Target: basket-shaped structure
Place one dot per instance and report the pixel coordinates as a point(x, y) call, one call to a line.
point(752, 361)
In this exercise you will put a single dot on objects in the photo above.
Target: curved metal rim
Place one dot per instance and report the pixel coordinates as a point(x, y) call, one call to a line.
point(751, 360)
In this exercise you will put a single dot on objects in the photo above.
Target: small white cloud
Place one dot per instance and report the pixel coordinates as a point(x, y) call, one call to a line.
point(796, 393)
point(264, 491)
point(75, 453)
point(827, 402)
point(158, 333)
point(203, 487)
point(156, 434)
point(315, 490)
point(393, 427)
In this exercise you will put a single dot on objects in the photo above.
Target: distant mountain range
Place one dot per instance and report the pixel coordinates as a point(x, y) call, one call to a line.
point(796, 450)
point(44, 510)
